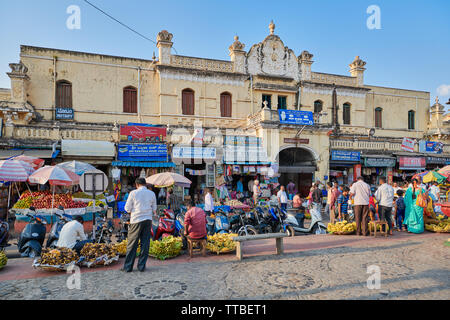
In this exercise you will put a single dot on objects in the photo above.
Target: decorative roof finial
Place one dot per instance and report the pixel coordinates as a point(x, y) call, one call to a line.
point(271, 27)
point(437, 100)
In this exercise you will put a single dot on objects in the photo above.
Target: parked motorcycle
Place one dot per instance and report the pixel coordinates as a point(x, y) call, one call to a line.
point(32, 237)
point(242, 227)
point(166, 225)
point(295, 223)
point(221, 223)
point(256, 219)
point(53, 236)
point(274, 218)
point(104, 229)
point(124, 223)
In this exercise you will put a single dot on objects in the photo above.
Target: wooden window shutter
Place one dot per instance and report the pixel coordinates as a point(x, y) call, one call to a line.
point(378, 118)
point(129, 100)
point(187, 103)
point(346, 113)
point(64, 94)
point(225, 105)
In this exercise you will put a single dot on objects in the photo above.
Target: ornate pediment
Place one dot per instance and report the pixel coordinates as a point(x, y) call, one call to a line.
point(272, 57)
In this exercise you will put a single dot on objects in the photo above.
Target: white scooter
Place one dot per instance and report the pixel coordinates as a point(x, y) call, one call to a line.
point(295, 220)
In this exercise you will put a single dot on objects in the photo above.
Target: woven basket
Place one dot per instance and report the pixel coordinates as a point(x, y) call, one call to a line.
point(51, 268)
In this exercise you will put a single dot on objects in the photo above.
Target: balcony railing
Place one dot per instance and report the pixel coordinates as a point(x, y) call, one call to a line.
point(58, 133)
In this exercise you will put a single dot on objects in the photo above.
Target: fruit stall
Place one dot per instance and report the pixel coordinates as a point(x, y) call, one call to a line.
point(43, 201)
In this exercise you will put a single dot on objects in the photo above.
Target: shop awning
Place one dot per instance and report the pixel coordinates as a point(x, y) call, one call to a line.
point(88, 148)
point(296, 169)
point(38, 153)
point(343, 163)
point(256, 163)
point(143, 164)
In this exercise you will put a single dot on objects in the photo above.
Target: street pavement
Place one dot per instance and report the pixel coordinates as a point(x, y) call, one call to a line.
point(313, 267)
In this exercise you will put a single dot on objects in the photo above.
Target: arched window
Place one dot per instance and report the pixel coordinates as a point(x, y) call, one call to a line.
point(378, 118)
point(318, 105)
point(225, 104)
point(187, 102)
point(63, 94)
point(129, 99)
point(346, 113)
point(411, 120)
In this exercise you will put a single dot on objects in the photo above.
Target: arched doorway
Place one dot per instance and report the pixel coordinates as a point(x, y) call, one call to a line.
point(298, 165)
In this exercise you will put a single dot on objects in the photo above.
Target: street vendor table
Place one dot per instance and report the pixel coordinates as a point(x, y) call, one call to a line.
point(87, 213)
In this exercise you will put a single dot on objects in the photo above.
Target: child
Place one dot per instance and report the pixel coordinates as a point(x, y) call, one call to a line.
point(393, 222)
point(343, 204)
point(400, 210)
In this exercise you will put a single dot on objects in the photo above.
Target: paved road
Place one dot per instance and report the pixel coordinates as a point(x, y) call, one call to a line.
point(313, 267)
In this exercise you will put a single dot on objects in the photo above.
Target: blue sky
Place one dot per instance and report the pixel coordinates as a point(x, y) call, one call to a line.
point(410, 51)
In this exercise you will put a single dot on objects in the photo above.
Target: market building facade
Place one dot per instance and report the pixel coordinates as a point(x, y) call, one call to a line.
point(219, 118)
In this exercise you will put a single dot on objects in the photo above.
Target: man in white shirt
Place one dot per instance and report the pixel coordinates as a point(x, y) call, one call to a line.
point(396, 188)
point(360, 194)
point(209, 203)
point(282, 198)
point(72, 235)
point(435, 191)
point(385, 197)
point(141, 205)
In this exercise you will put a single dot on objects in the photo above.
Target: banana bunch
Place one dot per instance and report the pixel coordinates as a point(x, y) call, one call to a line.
point(97, 203)
point(167, 247)
point(341, 227)
point(92, 251)
point(3, 259)
point(221, 242)
point(121, 247)
point(441, 227)
point(58, 257)
point(233, 203)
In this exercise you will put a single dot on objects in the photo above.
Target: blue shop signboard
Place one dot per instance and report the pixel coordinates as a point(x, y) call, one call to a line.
point(142, 152)
point(430, 147)
point(342, 155)
point(296, 117)
point(64, 114)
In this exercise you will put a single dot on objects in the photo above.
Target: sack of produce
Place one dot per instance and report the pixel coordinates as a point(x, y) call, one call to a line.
point(3, 259)
point(341, 227)
point(59, 259)
point(221, 243)
point(98, 254)
point(167, 247)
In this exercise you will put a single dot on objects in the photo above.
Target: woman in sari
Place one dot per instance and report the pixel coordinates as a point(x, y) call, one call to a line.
point(413, 213)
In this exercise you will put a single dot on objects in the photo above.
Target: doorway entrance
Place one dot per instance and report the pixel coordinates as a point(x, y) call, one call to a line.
point(298, 165)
